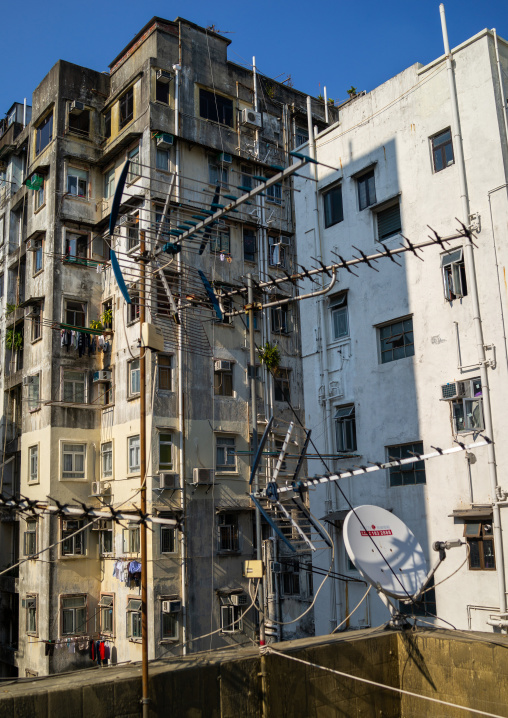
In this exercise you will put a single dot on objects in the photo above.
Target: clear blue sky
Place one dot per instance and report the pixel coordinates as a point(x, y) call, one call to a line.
point(337, 43)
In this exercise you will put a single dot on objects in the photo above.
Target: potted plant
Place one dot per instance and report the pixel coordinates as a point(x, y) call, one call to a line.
point(269, 355)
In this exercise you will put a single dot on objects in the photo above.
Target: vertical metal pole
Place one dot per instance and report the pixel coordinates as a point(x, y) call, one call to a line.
point(142, 468)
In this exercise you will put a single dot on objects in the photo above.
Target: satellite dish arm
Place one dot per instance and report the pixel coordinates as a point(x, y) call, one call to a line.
point(441, 547)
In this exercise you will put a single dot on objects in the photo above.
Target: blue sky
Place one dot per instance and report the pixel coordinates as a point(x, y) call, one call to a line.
point(337, 44)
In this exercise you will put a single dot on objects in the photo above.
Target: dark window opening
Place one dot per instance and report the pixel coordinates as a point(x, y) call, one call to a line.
point(366, 190)
point(126, 107)
point(79, 123)
point(249, 245)
point(333, 206)
point(216, 108)
point(442, 150)
point(410, 473)
point(44, 134)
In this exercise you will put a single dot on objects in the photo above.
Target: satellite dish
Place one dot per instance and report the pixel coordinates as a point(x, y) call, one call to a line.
point(368, 527)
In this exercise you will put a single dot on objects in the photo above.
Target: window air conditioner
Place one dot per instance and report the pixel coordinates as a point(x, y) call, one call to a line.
point(27, 380)
point(101, 376)
point(32, 311)
point(202, 476)
point(238, 599)
point(164, 76)
point(165, 141)
point(452, 390)
point(100, 487)
point(169, 480)
point(171, 606)
point(76, 107)
point(252, 119)
point(222, 365)
point(225, 158)
point(33, 245)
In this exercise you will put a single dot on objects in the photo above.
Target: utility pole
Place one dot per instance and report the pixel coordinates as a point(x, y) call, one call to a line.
point(142, 468)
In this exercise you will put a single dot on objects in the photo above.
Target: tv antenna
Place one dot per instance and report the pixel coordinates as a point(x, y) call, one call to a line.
point(387, 555)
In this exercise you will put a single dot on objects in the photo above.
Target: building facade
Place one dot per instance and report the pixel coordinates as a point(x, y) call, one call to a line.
point(391, 360)
point(195, 127)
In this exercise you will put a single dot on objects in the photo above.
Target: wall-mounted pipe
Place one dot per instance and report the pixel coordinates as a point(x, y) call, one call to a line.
point(504, 100)
point(326, 105)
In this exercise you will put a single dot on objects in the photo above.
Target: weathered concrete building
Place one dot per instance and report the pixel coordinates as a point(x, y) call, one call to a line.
point(190, 121)
point(392, 360)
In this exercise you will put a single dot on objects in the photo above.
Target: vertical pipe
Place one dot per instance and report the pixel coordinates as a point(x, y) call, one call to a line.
point(255, 98)
point(177, 69)
point(24, 112)
point(142, 469)
point(473, 288)
point(326, 104)
point(501, 86)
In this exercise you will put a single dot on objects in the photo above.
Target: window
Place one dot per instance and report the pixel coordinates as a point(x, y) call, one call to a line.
point(274, 193)
point(282, 385)
point(228, 538)
point(79, 121)
point(301, 136)
point(107, 460)
point(109, 183)
point(280, 319)
point(162, 91)
point(162, 160)
point(216, 107)
point(134, 167)
point(107, 124)
point(39, 196)
point(168, 539)
point(454, 274)
point(74, 537)
point(480, 539)
point(249, 245)
point(442, 150)
point(396, 340)
point(74, 386)
point(221, 240)
point(231, 619)
point(44, 134)
point(340, 317)
point(38, 255)
point(165, 452)
point(223, 379)
point(133, 618)
point(133, 308)
point(217, 174)
point(126, 107)
point(34, 393)
point(31, 615)
point(134, 377)
point(74, 615)
point(406, 474)
point(164, 368)
point(30, 538)
point(246, 178)
point(73, 461)
point(134, 456)
point(345, 428)
point(388, 222)
point(225, 456)
point(332, 200)
point(278, 251)
point(366, 190)
point(2, 281)
point(77, 182)
point(33, 464)
point(75, 313)
point(130, 537)
point(425, 606)
point(106, 605)
point(169, 624)
point(105, 537)
point(290, 578)
point(468, 410)
point(76, 247)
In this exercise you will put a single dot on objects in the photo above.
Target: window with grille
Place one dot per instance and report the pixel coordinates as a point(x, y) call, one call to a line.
point(396, 340)
point(290, 578)
point(168, 539)
point(406, 474)
point(228, 537)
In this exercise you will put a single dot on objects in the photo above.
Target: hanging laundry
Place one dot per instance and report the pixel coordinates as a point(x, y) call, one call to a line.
point(118, 570)
point(135, 573)
point(91, 651)
point(105, 348)
point(101, 343)
point(81, 343)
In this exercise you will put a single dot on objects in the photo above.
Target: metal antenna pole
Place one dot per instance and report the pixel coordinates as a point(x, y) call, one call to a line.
point(142, 468)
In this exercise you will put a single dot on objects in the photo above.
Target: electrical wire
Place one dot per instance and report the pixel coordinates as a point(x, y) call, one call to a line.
point(354, 609)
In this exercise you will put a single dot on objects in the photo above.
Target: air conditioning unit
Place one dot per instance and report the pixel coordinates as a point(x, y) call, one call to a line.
point(238, 599)
point(164, 76)
point(225, 158)
point(33, 245)
point(252, 119)
point(222, 365)
point(76, 107)
point(32, 311)
point(100, 487)
point(128, 220)
point(169, 480)
point(99, 376)
point(202, 476)
point(453, 390)
point(171, 606)
point(152, 337)
point(165, 141)
point(27, 380)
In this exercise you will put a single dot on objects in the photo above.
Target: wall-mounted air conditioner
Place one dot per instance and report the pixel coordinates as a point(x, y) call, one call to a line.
point(238, 599)
point(169, 480)
point(76, 107)
point(164, 76)
point(251, 119)
point(171, 606)
point(202, 476)
point(100, 487)
point(33, 245)
point(128, 220)
point(165, 141)
point(222, 365)
point(225, 158)
point(99, 376)
point(453, 390)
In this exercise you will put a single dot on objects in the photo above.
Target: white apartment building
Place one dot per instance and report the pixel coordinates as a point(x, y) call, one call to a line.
point(379, 348)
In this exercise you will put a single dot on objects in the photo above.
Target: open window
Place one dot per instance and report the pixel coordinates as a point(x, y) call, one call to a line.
point(216, 107)
point(468, 408)
point(480, 539)
point(76, 247)
point(345, 428)
point(454, 274)
point(78, 119)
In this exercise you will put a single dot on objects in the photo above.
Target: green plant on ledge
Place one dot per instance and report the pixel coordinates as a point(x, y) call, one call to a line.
point(269, 355)
point(106, 317)
point(14, 340)
point(95, 324)
point(10, 308)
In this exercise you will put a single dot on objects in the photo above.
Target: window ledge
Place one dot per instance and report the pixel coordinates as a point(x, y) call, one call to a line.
point(39, 208)
point(227, 473)
point(34, 411)
point(133, 397)
point(134, 475)
point(167, 640)
point(36, 340)
point(135, 640)
point(384, 203)
point(67, 557)
point(37, 273)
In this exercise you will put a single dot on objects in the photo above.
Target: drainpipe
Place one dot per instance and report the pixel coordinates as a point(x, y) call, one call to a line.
point(472, 285)
point(24, 103)
point(255, 99)
point(334, 597)
point(326, 104)
point(501, 88)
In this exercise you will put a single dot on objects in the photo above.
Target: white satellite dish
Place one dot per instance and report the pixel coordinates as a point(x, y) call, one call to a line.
point(371, 533)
